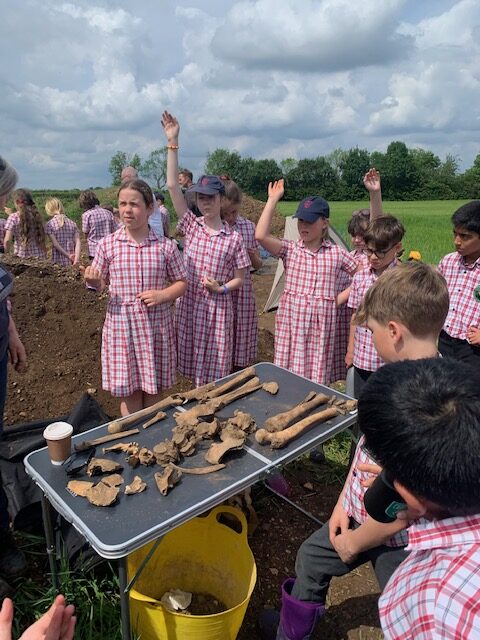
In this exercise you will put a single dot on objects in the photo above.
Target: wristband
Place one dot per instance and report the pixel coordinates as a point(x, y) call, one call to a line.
point(225, 289)
point(173, 146)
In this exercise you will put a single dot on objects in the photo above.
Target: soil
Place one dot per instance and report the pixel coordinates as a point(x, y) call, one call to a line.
point(60, 322)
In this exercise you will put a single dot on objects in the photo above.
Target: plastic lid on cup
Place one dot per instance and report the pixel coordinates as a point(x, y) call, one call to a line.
point(58, 431)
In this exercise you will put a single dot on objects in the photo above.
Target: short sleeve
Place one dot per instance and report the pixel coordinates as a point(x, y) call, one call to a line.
point(441, 266)
point(49, 227)
point(11, 223)
point(100, 260)
point(355, 297)
point(349, 264)
point(241, 261)
point(175, 266)
point(285, 250)
point(187, 223)
point(85, 225)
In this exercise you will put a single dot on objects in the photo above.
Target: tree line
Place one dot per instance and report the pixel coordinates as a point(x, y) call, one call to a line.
point(407, 173)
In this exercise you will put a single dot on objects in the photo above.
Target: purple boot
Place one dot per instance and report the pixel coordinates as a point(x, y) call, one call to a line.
point(296, 620)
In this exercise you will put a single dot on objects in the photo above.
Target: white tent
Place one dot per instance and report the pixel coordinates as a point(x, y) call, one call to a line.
point(291, 233)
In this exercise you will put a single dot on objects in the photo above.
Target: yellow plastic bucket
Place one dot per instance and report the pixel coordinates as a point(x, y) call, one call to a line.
point(202, 556)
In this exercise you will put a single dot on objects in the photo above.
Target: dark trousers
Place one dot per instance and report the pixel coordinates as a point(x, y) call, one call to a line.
point(4, 517)
point(458, 349)
point(317, 563)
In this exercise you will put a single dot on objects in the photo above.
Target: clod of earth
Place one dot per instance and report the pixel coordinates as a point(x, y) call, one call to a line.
point(280, 439)
point(168, 479)
point(271, 387)
point(166, 452)
point(79, 487)
point(114, 480)
point(97, 466)
point(199, 471)
point(101, 495)
point(219, 449)
point(156, 418)
point(282, 420)
point(136, 486)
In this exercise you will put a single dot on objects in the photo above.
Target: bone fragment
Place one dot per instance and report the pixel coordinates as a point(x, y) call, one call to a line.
point(199, 471)
point(219, 449)
point(271, 387)
point(168, 479)
point(125, 447)
point(113, 480)
point(282, 420)
point(79, 487)
point(156, 418)
point(136, 486)
point(198, 393)
point(102, 495)
point(97, 466)
point(279, 439)
point(230, 431)
point(89, 444)
point(165, 452)
point(146, 457)
point(243, 421)
point(232, 383)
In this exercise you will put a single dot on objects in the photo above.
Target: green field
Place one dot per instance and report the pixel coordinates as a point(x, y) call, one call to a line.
point(427, 222)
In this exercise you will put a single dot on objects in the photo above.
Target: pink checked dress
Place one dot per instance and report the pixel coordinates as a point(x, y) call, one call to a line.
point(28, 249)
point(344, 315)
point(205, 319)
point(138, 342)
point(306, 316)
point(97, 223)
point(245, 325)
point(66, 236)
point(3, 224)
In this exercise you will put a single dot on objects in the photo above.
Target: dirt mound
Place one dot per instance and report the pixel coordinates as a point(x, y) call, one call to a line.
point(251, 209)
point(60, 323)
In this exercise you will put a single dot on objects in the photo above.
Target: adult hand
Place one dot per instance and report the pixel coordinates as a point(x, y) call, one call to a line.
point(17, 353)
point(339, 521)
point(58, 623)
point(371, 180)
point(170, 126)
point(374, 469)
point(151, 297)
point(276, 190)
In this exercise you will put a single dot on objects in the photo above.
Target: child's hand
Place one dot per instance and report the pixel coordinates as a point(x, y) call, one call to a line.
point(92, 277)
point(374, 469)
point(170, 126)
point(473, 336)
point(8, 210)
point(344, 545)
point(152, 297)
point(349, 359)
point(371, 180)
point(276, 190)
point(211, 284)
point(339, 522)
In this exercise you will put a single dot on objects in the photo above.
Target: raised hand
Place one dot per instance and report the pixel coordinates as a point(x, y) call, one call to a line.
point(276, 190)
point(170, 126)
point(371, 180)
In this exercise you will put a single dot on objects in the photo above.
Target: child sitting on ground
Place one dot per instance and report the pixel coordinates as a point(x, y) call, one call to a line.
point(63, 234)
point(405, 310)
point(422, 423)
point(460, 337)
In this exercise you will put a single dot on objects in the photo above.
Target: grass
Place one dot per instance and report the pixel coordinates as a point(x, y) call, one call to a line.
point(427, 223)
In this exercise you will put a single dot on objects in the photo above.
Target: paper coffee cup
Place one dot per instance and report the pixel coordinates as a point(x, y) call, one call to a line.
point(59, 440)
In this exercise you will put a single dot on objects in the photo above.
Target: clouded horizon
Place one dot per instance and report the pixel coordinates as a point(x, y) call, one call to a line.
point(267, 78)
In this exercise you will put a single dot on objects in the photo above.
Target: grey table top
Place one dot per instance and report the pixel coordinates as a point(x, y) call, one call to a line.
point(135, 520)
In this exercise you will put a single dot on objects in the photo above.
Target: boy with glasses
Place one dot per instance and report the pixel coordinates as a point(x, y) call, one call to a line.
point(383, 245)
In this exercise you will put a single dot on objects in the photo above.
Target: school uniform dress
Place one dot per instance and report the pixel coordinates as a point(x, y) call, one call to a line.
point(97, 223)
point(66, 236)
point(3, 224)
point(344, 316)
point(245, 324)
point(205, 319)
point(138, 342)
point(463, 282)
point(28, 249)
point(306, 316)
point(435, 593)
point(165, 215)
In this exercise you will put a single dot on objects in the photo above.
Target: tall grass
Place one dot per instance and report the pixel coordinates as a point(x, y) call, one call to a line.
point(427, 223)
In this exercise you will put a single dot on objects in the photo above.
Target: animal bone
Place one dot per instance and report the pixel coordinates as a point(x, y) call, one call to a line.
point(113, 481)
point(146, 457)
point(136, 486)
point(79, 487)
point(156, 418)
point(194, 394)
point(279, 439)
point(232, 431)
point(102, 495)
point(233, 382)
point(89, 444)
point(282, 420)
point(118, 425)
point(271, 387)
point(126, 447)
point(168, 479)
point(96, 466)
point(243, 421)
point(219, 449)
point(165, 452)
point(199, 471)
point(206, 430)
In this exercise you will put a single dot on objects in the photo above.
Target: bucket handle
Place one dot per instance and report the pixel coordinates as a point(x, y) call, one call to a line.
point(235, 512)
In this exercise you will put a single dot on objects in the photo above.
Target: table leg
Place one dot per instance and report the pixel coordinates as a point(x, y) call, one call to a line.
point(50, 540)
point(124, 598)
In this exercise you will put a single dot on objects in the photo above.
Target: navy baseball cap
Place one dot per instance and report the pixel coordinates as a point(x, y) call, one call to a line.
point(208, 185)
point(312, 208)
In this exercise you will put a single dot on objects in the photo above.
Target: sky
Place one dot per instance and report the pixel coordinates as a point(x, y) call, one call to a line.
point(84, 79)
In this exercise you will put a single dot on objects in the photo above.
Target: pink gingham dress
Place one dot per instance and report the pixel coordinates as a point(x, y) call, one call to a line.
point(165, 213)
point(3, 224)
point(66, 236)
point(97, 223)
point(138, 342)
point(29, 249)
point(365, 355)
point(245, 325)
point(463, 282)
point(344, 316)
point(306, 316)
point(205, 319)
